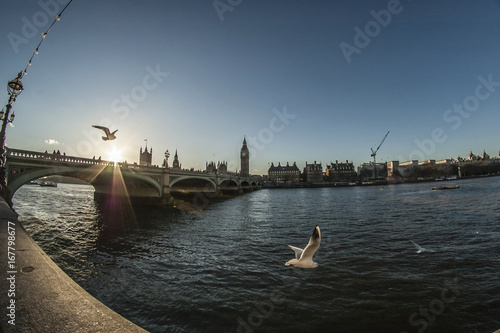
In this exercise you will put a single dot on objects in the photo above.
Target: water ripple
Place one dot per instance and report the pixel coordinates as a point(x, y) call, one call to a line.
point(224, 270)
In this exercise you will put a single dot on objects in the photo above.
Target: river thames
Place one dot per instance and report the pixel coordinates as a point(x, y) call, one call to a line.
point(222, 269)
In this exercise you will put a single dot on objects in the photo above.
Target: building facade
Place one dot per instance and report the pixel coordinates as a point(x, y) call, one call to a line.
point(288, 173)
point(341, 172)
point(403, 169)
point(368, 170)
point(146, 157)
point(219, 168)
point(313, 173)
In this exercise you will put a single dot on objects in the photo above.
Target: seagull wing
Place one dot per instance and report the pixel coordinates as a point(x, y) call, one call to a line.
point(419, 248)
point(105, 129)
point(312, 246)
point(298, 251)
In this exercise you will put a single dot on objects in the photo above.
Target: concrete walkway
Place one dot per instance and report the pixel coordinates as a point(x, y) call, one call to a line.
point(37, 296)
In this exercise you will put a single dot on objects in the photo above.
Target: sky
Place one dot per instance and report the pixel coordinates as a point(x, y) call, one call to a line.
point(302, 81)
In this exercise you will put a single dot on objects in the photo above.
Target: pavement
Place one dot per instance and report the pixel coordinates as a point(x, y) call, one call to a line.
point(37, 296)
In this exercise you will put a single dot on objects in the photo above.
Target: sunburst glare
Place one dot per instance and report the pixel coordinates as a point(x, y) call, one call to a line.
point(115, 155)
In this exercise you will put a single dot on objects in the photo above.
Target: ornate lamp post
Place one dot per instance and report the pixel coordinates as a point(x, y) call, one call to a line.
point(165, 161)
point(14, 88)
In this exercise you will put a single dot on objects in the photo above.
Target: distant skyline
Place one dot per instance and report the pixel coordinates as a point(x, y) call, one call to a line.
point(302, 81)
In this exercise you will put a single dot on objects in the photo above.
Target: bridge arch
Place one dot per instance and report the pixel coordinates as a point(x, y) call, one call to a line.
point(97, 177)
point(30, 175)
point(228, 182)
point(143, 179)
point(186, 179)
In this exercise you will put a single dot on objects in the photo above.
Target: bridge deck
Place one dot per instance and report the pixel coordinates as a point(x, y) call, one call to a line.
point(138, 182)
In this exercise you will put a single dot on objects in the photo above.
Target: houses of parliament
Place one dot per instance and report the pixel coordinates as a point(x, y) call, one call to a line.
point(146, 157)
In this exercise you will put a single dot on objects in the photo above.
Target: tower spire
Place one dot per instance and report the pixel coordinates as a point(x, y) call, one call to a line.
point(245, 159)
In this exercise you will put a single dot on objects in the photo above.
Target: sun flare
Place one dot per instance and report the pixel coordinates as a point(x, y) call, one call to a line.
point(115, 155)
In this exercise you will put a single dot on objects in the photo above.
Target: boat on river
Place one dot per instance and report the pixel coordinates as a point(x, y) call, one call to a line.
point(48, 183)
point(445, 187)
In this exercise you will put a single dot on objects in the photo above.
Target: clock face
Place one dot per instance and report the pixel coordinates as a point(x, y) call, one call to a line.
point(243, 154)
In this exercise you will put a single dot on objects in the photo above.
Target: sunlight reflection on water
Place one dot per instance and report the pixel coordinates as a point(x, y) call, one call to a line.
point(201, 273)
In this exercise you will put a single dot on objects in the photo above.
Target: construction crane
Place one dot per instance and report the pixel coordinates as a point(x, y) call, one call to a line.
point(374, 154)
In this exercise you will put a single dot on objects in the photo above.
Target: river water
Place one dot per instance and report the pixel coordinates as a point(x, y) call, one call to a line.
point(222, 270)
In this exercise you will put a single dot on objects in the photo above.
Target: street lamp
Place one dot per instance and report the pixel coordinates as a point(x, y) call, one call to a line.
point(14, 88)
point(165, 161)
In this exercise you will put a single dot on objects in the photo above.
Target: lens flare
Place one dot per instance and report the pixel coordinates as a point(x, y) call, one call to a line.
point(115, 155)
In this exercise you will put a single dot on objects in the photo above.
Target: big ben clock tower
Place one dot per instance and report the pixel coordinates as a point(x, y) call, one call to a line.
point(245, 159)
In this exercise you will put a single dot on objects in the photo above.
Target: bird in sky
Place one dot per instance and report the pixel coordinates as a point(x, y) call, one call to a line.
point(303, 258)
point(109, 135)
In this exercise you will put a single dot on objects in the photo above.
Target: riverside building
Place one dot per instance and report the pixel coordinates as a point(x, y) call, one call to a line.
point(313, 173)
point(288, 173)
point(341, 172)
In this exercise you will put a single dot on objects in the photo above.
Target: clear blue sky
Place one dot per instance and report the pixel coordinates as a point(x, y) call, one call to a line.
point(297, 78)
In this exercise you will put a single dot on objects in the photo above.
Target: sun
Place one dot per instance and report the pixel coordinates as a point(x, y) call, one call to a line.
point(115, 155)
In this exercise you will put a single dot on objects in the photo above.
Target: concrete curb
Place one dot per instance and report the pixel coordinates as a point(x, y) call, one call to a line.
point(45, 299)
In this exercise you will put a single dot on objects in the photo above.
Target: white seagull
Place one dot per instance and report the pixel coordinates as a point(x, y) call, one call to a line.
point(303, 258)
point(109, 135)
point(419, 248)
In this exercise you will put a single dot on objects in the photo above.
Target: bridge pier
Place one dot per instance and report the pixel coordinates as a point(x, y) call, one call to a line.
point(166, 198)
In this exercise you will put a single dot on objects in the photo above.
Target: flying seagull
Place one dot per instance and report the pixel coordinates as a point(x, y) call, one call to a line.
point(303, 258)
point(419, 248)
point(109, 135)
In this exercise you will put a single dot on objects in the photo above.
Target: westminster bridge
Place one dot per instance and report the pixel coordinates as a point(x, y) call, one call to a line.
point(141, 184)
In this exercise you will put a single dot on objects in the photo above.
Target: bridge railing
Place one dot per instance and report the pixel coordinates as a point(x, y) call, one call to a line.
point(51, 157)
point(82, 161)
point(139, 167)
